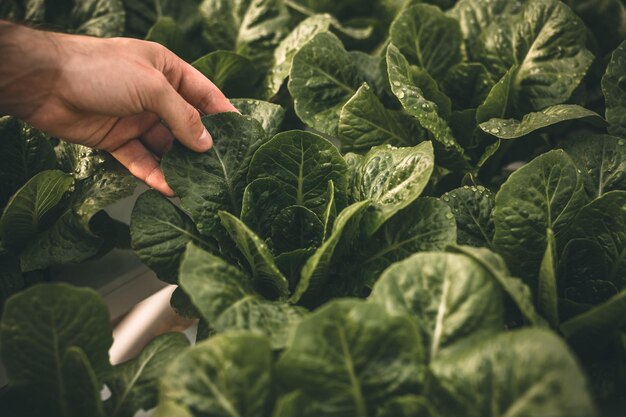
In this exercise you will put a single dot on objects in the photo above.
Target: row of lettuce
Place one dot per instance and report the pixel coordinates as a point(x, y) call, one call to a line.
point(446, 237)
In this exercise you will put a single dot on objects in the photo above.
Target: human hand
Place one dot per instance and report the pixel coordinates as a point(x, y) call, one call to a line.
point(109, 94)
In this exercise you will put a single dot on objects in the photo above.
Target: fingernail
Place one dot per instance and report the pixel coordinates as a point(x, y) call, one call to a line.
point(205, 141)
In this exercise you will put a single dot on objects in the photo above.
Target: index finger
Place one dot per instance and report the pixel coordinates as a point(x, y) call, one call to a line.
point(195, 88)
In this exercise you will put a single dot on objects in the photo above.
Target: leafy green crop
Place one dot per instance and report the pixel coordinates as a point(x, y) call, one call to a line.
point(420, 211)
point(285, 212)
point(52, 199)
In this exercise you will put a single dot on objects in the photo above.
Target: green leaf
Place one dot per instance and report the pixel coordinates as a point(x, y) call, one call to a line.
point(270, 115)
point(133, 384)
point(176, 24)
point(476, 16)
point(321, 87)
point(251, 28)
point(584, 272)
point(226, 375)
point(83, 230)
point(51, 322)
point(102, 18)
point(463, 125)
point(430, 89)
point(342, 9)
point(451, 298)
point(352, 356)
point(511, 128)
point(100, 182)
point(303, 163)
point(606, 20)
point(501, 99)
point(547, 193)
point(24, 152)
point(468, 84)
point(171, 409)
point(182, 305)
point(391, 178)
point(291, 263)
point(29, 208)
point(267, 278)
point(527, 39)
point(547, 283)
point(166, 32)
point(296, 404)
point(353, 161)
point(139, 16)
point(142, 14)
point(425, 225)
point(232, 73)
point(372, 69)
point(603, 221)
point(513, 287)
point(160, 232)
point(18, 399)
point(592, 329)
point(472, 208)
point(428, 38)
point(330, 214)
point(364, 122)
point(215, 180)
point(316, 272)
point(614, 89)
point(69, 240)
point(526, 372)
point(81, 392)
point(263, 199)
point(422, 107)
point(296, 227)
point(407, 406)
point(352, 12)
point(11, 279)
point(289, 46)
point(226, 298)
point(602, 161)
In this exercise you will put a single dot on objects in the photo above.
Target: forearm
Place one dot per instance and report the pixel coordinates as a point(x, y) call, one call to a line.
point(29, 68)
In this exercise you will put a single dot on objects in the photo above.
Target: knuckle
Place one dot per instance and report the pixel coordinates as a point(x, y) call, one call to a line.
point(141, 167)
point(206, 100)
point(151, 173)
point(191, 116)
point(160, 55)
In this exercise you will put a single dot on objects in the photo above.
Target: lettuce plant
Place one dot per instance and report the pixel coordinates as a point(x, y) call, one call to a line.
point(283, 214)
point(51, 199)
point(420, 211)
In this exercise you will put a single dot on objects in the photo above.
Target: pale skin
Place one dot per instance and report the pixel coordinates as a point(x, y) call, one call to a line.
point(109, 94)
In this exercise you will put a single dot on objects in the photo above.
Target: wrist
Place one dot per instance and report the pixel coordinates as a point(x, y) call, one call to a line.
point(29, 68)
